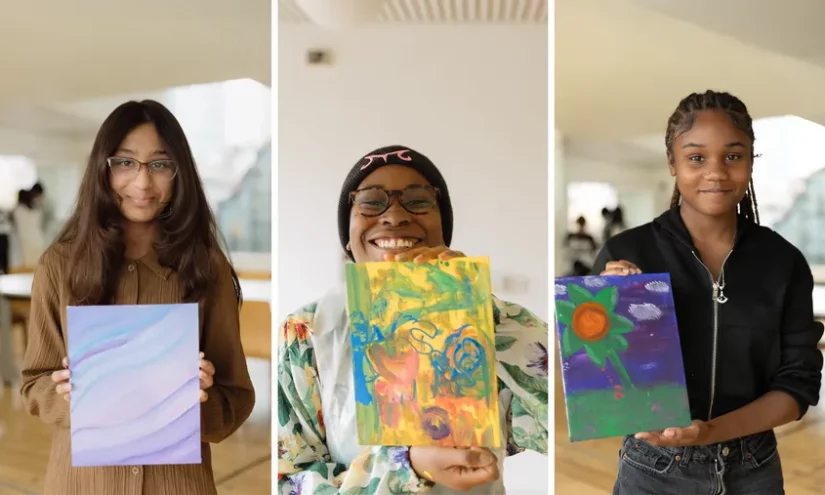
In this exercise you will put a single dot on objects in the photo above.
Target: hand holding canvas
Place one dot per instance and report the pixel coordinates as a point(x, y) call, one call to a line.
point(207, 372)
point(61, 378)
point(425, 254)
point(455, 468)
point(696, 433)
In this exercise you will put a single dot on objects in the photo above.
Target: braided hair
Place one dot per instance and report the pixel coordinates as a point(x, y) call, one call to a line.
point(683, 119)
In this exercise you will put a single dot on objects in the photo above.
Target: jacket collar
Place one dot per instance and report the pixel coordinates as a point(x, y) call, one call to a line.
point(671, 221)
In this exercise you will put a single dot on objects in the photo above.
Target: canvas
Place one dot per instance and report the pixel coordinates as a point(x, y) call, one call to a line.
point(424, 353)
point(135, 396)
point(620, 355)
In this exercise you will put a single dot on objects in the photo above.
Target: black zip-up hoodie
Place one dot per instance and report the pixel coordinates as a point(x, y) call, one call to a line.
point(764, 335)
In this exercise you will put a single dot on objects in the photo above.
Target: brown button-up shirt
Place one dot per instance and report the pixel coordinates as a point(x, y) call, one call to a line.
point(142, 281)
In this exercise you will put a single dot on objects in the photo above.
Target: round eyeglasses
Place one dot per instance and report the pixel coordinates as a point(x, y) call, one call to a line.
point(375, 200)
point(164, 170)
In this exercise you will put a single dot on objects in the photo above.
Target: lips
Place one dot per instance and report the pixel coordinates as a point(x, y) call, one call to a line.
point(141, 201)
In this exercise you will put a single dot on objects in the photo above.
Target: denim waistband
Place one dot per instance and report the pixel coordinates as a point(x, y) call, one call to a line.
point(737, 450)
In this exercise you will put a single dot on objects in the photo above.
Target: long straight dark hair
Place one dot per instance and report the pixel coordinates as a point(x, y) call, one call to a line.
point(188, 239)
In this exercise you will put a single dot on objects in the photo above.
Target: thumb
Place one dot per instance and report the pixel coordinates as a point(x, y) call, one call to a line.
point(478, 457)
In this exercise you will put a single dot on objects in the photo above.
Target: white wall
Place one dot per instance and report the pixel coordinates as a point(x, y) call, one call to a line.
point(472, 98)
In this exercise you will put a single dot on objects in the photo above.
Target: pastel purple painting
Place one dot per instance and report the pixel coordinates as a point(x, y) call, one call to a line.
point(621, 358)
point(135, 385)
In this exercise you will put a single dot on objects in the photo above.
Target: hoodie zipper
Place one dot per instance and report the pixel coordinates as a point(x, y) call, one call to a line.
point(718, 297)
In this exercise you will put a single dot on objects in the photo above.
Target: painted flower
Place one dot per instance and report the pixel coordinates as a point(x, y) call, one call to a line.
point(591, 323)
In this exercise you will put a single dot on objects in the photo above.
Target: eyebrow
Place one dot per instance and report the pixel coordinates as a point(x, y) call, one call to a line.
point(131, 152)
point(729, 145)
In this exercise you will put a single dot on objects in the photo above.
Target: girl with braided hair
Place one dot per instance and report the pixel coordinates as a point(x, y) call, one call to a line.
point(747, 328)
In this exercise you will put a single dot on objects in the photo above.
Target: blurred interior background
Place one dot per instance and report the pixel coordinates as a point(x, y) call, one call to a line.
point(66, 67)
point(622, 66)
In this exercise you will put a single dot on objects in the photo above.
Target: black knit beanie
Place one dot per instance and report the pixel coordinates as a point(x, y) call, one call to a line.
point(393, 155)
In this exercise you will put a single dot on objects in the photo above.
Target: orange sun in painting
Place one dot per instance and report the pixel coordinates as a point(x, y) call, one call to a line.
point(590, 321)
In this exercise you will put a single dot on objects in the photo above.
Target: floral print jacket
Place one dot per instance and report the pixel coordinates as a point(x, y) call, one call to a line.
point(305, 466)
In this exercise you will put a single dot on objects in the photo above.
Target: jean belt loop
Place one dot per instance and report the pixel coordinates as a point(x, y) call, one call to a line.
point(685, 454)
point(743, 446)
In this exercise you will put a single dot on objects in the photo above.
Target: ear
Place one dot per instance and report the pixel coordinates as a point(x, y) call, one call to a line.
point(671, 164)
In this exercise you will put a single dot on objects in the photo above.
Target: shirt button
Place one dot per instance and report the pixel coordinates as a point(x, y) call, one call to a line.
point(131, 269)
point(135, 470)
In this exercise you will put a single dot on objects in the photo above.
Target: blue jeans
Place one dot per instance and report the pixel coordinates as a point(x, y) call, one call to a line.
point(745, 466)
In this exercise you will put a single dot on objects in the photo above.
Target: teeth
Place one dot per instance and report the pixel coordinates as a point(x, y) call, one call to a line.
point(385, 243)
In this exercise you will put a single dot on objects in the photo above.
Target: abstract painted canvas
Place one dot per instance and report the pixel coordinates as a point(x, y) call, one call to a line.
point(621, 358)
point(424, 353)
point(135, 385)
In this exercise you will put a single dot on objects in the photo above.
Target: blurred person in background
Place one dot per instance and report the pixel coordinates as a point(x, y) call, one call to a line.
point(6, 232)
point(616, 225)
point(28, 223)
point(581, 248)
point(41, 202)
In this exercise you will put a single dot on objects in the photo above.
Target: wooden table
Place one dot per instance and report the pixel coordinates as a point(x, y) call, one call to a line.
point(18, 287)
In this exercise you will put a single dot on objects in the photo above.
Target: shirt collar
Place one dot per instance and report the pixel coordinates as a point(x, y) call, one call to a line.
point(150, 261)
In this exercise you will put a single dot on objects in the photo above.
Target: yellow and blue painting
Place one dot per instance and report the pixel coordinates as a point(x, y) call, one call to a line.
point(424, 353)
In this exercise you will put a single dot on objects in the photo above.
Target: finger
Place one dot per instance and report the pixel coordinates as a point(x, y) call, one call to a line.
point(450, 254)
point(207, 367)
point(61, 376)
point(67, 397)
point(204, 396)
point(201, 355)
point(430, 254)
point(206, 380)
point(477, 457)
point(408, 255)
point(64, 388)
point(65, 362)
point(474, 477)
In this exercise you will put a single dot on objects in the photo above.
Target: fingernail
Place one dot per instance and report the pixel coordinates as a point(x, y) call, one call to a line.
point(670, 433)
point(65, 373)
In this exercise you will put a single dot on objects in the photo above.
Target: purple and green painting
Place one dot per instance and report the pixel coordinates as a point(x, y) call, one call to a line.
point(135, 385)
point(620, 355)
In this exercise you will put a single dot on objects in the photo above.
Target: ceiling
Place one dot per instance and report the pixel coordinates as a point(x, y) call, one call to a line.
point(414, 11)
point(623, 65)
point(91, 48)
point(789, 27)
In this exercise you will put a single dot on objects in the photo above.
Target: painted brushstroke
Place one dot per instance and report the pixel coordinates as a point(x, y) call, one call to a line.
point(620, 354)
point(135, 385)
point(424, 353)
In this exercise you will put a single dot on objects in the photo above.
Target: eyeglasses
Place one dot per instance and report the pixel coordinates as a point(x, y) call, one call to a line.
point(164, 170)
point(374, 201)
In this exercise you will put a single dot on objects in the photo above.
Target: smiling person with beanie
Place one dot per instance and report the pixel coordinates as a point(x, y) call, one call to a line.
point(395, 206)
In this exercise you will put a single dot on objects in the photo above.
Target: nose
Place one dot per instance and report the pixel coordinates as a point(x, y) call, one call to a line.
point(143, 179)
point(395, 215)
point(717, 170)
